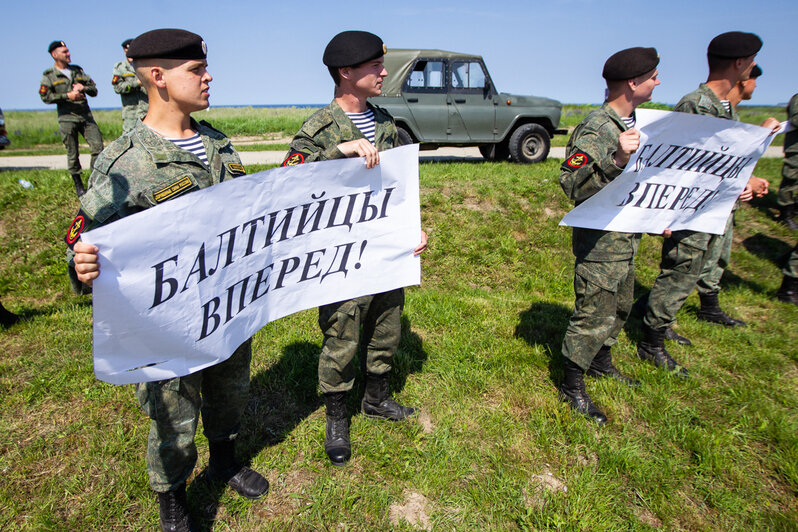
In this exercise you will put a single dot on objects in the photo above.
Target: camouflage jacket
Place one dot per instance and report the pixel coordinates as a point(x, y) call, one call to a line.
point(791, 138)
point(324, 130)
point(127, 85)
point(141, 169)
point(589, 167)
point(704, 101)
point(55, 86)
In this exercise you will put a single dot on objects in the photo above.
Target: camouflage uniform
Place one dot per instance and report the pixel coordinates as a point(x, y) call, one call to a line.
point(791, 269)
point(604, 270)
point(378, 314)
point(134, 95)
point(788, 190)
point(135, 169)
point(74, 117)
point(689, 258)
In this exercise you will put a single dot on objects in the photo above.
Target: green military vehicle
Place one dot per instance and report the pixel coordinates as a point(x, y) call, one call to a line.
point(441, 98)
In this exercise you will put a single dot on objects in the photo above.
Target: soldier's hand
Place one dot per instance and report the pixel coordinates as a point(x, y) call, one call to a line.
point(628, 142)
point(86, 265)
point(747, 193)
point(759, 186)
point(80, 87)
point(772, 124)
point(361, 148)
point(422, 246)
point(75, 96)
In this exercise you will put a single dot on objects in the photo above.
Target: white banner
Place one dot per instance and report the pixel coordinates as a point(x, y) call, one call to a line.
point(686, 174)
point(183, 284)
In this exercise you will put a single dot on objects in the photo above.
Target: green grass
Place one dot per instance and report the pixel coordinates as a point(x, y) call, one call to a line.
point(493, 448)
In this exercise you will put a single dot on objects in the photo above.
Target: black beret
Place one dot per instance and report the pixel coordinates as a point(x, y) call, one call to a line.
point(755, 72)
point(734, 44)
point(630, 63)
point(168, 43)
point(350, 48)
point(126, 42)
point(54, 45)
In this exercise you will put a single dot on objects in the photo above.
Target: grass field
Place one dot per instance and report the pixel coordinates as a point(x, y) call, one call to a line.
point(492, 449)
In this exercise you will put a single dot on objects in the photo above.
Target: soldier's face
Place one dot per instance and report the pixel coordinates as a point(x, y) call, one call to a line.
point(188, 83)
point(367, 77)
point(61, 54)
point(748, 88)
point(644, 85)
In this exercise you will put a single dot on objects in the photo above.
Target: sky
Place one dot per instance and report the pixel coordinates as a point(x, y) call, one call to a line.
point(269, 53)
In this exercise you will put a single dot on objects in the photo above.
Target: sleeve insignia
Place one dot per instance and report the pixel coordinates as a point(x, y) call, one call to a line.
point(236, 169)
point(115, 80)
point(170, 191)
point(75, 229)
point(42, 90)
point(294, 159)
point(579, 159)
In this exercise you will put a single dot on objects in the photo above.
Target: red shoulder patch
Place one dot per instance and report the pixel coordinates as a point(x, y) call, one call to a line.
point(115, 79)
point(294, 159)
point(75, 228)
point(578, 160)
point(43, 89)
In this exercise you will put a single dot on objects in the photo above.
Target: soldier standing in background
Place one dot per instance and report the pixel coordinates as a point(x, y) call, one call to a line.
point(128, 86)
point(66, 86)
point(597, 152)
point(788, 190)
point(352, 127)
point(150, 165)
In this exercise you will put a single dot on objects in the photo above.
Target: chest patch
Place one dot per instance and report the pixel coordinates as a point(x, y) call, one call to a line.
point(176, 188)
point(578, 160)
point(236, 169)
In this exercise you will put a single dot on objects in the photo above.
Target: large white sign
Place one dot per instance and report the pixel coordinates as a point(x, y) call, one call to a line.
point(183, 284)
point(686, 174)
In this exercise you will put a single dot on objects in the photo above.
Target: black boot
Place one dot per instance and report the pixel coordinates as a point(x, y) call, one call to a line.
point(224, 467)
point(670, 334)
point(602, 366)
point(173, 509)
point(787, 217)
point(79, 190)
point(710, 311)
point(572, 391)
point(336, 434)
point(788, 292)
point(378, 403)
point(652, 348)
point(7, 318)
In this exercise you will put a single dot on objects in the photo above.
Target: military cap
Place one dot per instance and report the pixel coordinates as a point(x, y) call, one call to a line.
point(734, 44)
point(168, 43)
point(54, 45)
point(126, 42)
point(755, 72)
point(630, 63)
point(350, 48)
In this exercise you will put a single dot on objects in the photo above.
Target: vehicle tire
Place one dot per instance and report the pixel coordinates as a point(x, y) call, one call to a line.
point(494, 152)
point(529, 143)
point(404, 136)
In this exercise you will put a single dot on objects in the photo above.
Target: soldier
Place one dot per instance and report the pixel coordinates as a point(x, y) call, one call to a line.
point(352, 127)
point(139, 170)
point(597, 152)
point(788, 292)
point(691, 258)
point(66, 86)
point(788, 190)
point(127, 85)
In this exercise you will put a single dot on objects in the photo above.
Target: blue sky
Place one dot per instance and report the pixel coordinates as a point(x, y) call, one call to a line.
point(263, 52)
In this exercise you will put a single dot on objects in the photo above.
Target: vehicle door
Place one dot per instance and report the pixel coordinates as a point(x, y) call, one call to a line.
point(424, 92)
point(474, 99)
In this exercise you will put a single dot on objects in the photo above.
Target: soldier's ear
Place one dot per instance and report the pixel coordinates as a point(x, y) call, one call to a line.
point(156, 74)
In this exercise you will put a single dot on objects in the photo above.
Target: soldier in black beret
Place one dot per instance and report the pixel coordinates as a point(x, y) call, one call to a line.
point(351, 126)
point(155, 160)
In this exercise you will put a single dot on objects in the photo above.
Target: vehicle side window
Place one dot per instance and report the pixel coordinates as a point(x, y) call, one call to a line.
point(426, 76)
point(468, 75)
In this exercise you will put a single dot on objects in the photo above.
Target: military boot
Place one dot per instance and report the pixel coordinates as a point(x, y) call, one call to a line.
point(173, 509)
point(377, 402)
point(224, 467)
point(788, 292)
point(787, 217)
point(602, 366)
point(670, 334)
point(79, 190)
point(336, 434)
point(652, 348)
point(7, 318)
point(572, 391)
point(710, 311)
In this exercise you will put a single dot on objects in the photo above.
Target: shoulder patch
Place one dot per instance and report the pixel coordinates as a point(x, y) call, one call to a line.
point(579, 159)
point(294, 158)
point(115, 80)
point(76, 228)
point(236, 169)
point(43, 89)
point(173, 189)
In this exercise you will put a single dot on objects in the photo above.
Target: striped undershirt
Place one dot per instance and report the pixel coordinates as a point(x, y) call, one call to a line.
point(726, 105)
point(629, 121)
point(192, 144)
point(364, 122)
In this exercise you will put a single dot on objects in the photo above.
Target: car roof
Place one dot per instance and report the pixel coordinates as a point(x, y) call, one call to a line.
point(399, 61)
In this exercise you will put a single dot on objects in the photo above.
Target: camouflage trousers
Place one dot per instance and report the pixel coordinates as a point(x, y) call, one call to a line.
point(69, 136)
point(680, 266)
point(791, 269)
point(604, 292)
point(788, 190)
point(219, 392)
point(379, 316)
point(716, 259)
